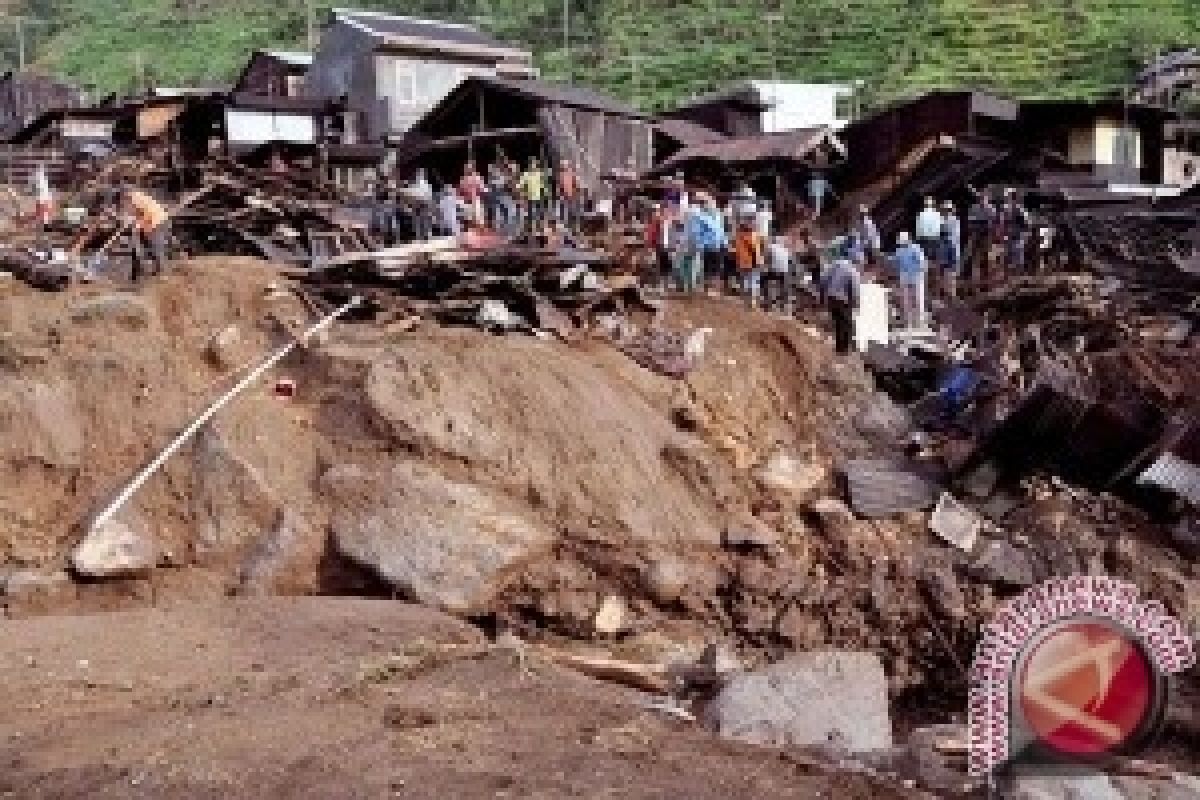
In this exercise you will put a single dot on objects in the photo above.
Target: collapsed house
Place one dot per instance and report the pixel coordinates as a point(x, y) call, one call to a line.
point(776, 165)
point(525, 119)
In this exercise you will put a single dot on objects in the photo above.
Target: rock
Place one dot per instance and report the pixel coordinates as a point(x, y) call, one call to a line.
point(943, 591)
point(1064, 787)
point(748, 532)
point(232, 505)
point(787, 474)
point(27, 581)
point(665, 578)
point(831, 508)
point(117, 549)
point(1001, 562)
point(223, 349)
point(836, 699)
point(610, 619)
point(442, 543)
point(955, 523)
point(128, 310)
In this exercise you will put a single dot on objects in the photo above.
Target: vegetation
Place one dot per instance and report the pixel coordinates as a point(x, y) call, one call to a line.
point(653, 52)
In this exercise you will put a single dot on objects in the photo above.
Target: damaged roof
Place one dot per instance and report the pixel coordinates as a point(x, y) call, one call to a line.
point(786, 146)
point(688, 133)
point(392, 29)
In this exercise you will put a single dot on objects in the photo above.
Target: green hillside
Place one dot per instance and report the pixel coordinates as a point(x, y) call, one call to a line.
point(655, 51)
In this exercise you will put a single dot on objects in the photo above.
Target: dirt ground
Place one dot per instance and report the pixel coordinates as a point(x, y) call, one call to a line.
point(519, 482)
point(347, 698)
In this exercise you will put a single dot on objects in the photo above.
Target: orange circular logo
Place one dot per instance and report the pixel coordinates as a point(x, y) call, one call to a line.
point(1087, 689)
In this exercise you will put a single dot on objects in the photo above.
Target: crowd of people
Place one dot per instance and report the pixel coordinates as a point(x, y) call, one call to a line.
point(504, 197)
point(701, 245)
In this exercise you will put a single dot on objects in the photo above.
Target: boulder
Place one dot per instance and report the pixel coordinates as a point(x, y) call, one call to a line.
point(1001, 562)
point(834, 699)
point(784, 473)
point(442, 543)
point(612, 616)
point(117, 549)
point(232, 505)
point(666, 577)
point(224, 349)
point(128, 310)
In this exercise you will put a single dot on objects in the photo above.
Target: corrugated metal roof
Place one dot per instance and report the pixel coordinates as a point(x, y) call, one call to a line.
point(787, 146)
point(391, 26)
point(688, 133)
point(1174, 474)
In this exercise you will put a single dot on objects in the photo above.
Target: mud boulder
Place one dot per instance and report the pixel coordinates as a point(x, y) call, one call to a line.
point(835, 699)
point(440, 542)
point(119, 548)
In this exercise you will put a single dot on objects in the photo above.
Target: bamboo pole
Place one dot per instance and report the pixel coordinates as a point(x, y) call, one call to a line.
point(116, 505)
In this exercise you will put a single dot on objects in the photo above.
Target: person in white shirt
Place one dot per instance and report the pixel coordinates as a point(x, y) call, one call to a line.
point(776, 281)
point(929, 230)
point(763, 220)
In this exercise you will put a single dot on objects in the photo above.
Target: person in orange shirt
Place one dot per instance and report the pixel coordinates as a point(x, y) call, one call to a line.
point(749, 256)
point(151, 231)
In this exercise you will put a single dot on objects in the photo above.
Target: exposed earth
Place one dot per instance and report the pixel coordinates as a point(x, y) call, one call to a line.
point(473, 484)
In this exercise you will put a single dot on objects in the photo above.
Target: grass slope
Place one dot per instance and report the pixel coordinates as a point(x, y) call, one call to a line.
point(656, 51)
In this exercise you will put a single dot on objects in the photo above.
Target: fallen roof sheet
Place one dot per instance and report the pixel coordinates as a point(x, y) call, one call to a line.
point(787, 146)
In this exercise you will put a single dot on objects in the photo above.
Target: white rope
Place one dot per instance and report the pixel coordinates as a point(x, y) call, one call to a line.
point(107, 514)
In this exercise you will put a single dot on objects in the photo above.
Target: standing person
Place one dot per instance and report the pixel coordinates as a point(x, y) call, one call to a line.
point(840, 290)
point(929, 230)
point(910, 263)
point(150, 232)
point(1014, 221)
point(532, 188)
point(568, 194)
point(471, 189)
point(764, 220)
point(818, 190)
point(868, 233)
point(777, 278)
point(421, 193)
point(658, 232)
point(951, 252)
point(706, 241)
point(498, 189)
point(677, 242)
point(743, 205)
point(749, 256)
point(981, 223)
point(449, 204)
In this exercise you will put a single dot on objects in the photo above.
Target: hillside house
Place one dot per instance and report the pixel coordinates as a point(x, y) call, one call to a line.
point(392, 70)
point(274, 73)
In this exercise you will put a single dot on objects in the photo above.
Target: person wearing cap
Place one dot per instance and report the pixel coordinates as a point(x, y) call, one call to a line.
point(910, 263)
point(951, 251)
point(929, 230)
point(150, 229)
point(840, 288)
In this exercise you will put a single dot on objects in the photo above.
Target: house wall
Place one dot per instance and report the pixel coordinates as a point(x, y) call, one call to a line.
point(411, 84)
point(246, 127)
point(1096, 146)
point(344, 66)
point(802, 105)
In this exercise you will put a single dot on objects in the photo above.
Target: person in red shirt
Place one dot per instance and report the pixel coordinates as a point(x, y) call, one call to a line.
point(471, 189)
point(568, 194)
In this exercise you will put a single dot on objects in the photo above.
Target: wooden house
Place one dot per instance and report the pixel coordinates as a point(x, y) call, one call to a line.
point(392, 70)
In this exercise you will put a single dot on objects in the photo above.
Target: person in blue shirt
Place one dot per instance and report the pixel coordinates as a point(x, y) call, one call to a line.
point(704, 232)
point(910, 264)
